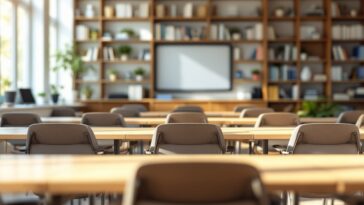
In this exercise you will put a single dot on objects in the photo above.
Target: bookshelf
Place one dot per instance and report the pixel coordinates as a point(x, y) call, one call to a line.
point(313, 52)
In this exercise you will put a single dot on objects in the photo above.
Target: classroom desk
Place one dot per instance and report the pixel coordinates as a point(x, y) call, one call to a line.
point(110, 174)
point(158, 120)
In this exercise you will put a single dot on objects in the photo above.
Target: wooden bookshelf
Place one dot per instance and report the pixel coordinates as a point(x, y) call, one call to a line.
point(321, 47)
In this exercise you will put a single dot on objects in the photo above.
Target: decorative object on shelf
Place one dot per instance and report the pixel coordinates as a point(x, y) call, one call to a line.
point(82, 32)
point(113, 75)
point(129, 33)
point(188, 10)
point(144, 54)
point(279, 12)
point(310, 32)
point(107, 36)
point(235, 33)
point(303, 56)
point(124, 10)
point(256, 74)
point(55, 93)
point(353, 13)
point(160, 10)
point(139, 74)
point(202, 11)
point(124, 52)
point(315, 10)
point(135, 92)
point(237, 53)
point(109, 11)
point(314, 109)
point(94, 34)
point(9, 95)
point(90, 11)
point(42, 96)
point(239, 74)
point(87, 92)
point(244, 94)
point(143, 10)
point(306, 74)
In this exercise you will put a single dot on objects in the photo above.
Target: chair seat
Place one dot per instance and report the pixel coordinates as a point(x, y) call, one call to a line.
point(227, 203)
point(326, 149)
point(189, 149)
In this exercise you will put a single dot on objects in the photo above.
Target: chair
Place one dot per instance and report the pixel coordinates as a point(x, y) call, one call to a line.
point(104, 119)
point(139, 107)
point(360, 121)
point(277, 119)
point(327, 138)
point(174, 183)
point(126, 112)
point(190, 108)
point(18, 120)
point(49, 138)
point(240, 108)
point(187, 139)
point(63, 112)
point(255, 112)
point(350, 117)
point(186, 117)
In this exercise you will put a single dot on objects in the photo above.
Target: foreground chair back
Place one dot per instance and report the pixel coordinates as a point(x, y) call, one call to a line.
point(196, 183)
point(240, 108)
point(126, 112)
point(182, 138)
point(139, 107)
point(186, 117)
point(360, 121)
point(189, 108)
point(277, 119)
point(350, 117)
point(47, 138)
point(255, 112)
point(330, 138)
point(19, 119)
point(63, 112)
point(103, 119)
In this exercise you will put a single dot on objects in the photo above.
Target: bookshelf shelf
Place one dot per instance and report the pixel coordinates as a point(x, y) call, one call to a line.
point(179, 19)
point(126, 62)
point(283, 82)
point(134, 19)
point(288, 18)
point(348, 18)
point(243, 81)
point(312, 18)
point(248, 61)
point(125, 41)
point(80, 18)
point(125, 82)
point(237, 18)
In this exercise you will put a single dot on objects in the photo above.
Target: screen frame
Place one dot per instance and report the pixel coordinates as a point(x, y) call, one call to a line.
point(231, 69)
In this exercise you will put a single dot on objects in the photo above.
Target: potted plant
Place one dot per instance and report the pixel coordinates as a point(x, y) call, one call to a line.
point(87, 92)
point(55, 93)
point(42, 96)
point(124, 52)
point(139, 74)
point(314, 109)
point(235, 33)
point(256, 74)
point(9, 95)
point(129, 33)
point(113, 75)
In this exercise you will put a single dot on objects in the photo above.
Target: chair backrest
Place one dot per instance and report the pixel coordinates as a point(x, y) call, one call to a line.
point(183, 138)
point(240, 108)
point(103, 119)
point(176, 183)
point(139, 107)
point(19, 119)
point(325, 138)
point(255, 112)
point(189, 108)
point(277, 119)
point(125, 112)
point(360, 121)
point(350, 117)
point(49, 138)
point(63, 112)
point(186, 117)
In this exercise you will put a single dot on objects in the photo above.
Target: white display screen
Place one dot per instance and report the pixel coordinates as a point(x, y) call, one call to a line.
point(193, 68)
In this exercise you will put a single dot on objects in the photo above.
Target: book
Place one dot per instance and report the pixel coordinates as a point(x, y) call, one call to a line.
point(188, 10)
point(143, 10)
point(273, 92)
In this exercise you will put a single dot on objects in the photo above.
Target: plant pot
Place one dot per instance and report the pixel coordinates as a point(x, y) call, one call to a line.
point(256, 77)
point(124, 57)
point(113, 77)
point(55, 98)
point(10, 97)
point(139, 78)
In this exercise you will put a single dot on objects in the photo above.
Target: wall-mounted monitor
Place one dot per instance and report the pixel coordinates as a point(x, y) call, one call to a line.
point(193, 67)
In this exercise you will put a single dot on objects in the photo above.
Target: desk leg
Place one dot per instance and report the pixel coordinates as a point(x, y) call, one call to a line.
point(237, 147)
point(117, 146)
point(141, 147)
point(265, 146)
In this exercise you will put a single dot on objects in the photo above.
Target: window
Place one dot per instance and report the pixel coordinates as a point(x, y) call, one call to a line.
point(6, 19)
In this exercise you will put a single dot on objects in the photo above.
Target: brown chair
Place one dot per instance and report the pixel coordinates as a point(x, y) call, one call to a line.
point(139, 107)
point(255, 112)
point(174, 183)
point(360, 121)
point(186, 117)
point(63, 112)
point(182, 138)
point(240, 108)
point(189, 108)
point(126, 112)
point(329, 138)
point(276, 119)
point(49, 138)
point(350, 117)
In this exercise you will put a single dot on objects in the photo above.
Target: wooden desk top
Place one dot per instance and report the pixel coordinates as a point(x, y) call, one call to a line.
point(158, 120)
point(90, 174)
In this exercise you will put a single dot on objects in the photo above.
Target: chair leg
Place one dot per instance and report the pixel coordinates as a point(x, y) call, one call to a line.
point(237, 147)
point(332, 201)
point(296, 198)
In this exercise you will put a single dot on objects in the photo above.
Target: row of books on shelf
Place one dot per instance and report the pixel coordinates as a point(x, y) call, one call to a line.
point(283, 72)
point(340, 9)
point(351, 93)
point(338, 73)
point(221, 32)
point(171, 32)
point(108, 54)
point(92, 54)
point(256, 54)
point(285, 52)
point(340, 53)
point(127, 10)
point(348, 32)
point(275, 92)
